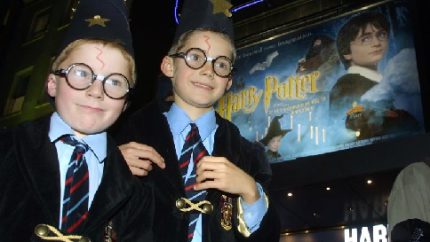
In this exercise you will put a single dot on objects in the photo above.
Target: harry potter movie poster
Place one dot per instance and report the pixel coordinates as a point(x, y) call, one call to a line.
point(335, 85)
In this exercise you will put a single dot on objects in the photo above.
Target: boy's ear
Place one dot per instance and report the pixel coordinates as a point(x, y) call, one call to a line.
point(229, 83)
point(125, 105)
point(51, 85)
point(167, 66)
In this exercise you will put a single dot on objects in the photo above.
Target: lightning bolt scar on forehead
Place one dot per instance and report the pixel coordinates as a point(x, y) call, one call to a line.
point(98, 57)
point(207, 43)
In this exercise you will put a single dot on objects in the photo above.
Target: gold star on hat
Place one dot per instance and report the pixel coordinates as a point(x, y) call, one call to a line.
point(222, 6)
point(206, 14)
point(97, 20)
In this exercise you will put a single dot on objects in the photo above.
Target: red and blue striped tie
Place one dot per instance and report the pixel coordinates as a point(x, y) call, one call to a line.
point(193, 145)
point(76, 191)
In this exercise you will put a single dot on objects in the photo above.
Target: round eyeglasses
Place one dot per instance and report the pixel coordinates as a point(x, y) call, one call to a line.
point(369, 38)
point(80, 76)
point(196, 58)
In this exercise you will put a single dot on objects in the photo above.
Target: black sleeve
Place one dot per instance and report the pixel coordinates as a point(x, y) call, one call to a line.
point(260, 169)
point(259, 166)
point(136, 220)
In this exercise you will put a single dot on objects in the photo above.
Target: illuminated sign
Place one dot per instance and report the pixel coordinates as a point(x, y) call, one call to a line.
point(377, 233)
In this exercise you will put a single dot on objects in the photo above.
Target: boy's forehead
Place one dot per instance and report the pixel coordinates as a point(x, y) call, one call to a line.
point(209, 41)
point(95, 55)
point(85, 50)
point(92, 49)
point(203, 36)
point(368, 28)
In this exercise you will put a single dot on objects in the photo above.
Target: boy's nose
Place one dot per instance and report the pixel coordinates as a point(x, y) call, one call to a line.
point(376, 40)
point(96, 90)
point(207, 70)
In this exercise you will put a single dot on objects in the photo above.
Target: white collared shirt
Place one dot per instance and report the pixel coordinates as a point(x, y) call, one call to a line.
point(366, 72)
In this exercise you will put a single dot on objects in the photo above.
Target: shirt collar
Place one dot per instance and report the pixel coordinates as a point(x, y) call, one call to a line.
point(179, 121)
point(96, 142)
point(366, 72)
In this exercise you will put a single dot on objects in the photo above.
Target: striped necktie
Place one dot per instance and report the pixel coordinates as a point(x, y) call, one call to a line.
point(193, 145)
point(76, 190)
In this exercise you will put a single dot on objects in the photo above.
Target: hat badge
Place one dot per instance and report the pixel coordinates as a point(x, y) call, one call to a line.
point(97, 20)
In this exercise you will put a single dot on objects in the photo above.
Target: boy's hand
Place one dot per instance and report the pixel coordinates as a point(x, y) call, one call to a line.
point(139, 158)
point(221, 174)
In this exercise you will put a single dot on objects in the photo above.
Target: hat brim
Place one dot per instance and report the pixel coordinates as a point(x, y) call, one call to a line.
point(270, 136)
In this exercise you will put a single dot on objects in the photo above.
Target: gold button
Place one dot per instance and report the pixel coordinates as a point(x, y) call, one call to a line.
point(207, 208)
point(180, 203)
point(41, 230)
point(84, 239)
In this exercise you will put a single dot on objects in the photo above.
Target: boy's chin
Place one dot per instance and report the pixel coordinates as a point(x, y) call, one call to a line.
point(197, 103)
point(205, 102)
point(84, 131)
point(204, 105)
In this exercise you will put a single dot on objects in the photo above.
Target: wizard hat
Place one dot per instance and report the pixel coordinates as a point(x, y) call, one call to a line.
point(100, 19)
point(205, 14)
point(274, 130)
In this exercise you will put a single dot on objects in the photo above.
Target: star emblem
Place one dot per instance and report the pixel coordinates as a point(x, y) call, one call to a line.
point(222, 6)
point(97, 20)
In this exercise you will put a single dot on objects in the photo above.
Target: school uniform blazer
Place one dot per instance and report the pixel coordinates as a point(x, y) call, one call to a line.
point(30, 190)
point(149, 126)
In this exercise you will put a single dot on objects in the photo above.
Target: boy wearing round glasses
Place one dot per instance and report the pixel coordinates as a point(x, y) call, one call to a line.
point(362, 42)
point(88, 102)
point(232, 174)
point(80, 76)
point(62, 178)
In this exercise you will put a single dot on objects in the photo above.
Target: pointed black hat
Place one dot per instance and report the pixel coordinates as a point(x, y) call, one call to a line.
point(206, 14)
point(274, 130)
point(100, 19)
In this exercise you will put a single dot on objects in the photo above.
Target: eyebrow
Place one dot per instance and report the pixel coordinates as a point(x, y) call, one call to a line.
point(365, 34)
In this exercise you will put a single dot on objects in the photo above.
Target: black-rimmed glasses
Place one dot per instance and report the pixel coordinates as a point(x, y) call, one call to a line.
point(369, 38)
point(196, 58)
point(80, 76)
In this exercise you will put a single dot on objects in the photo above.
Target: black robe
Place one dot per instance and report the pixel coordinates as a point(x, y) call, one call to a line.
point(373, 120)
point(348, 89)
point(30, 190)
point(149, 126)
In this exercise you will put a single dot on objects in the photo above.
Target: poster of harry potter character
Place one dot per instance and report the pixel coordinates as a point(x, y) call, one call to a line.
point(338, 84)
